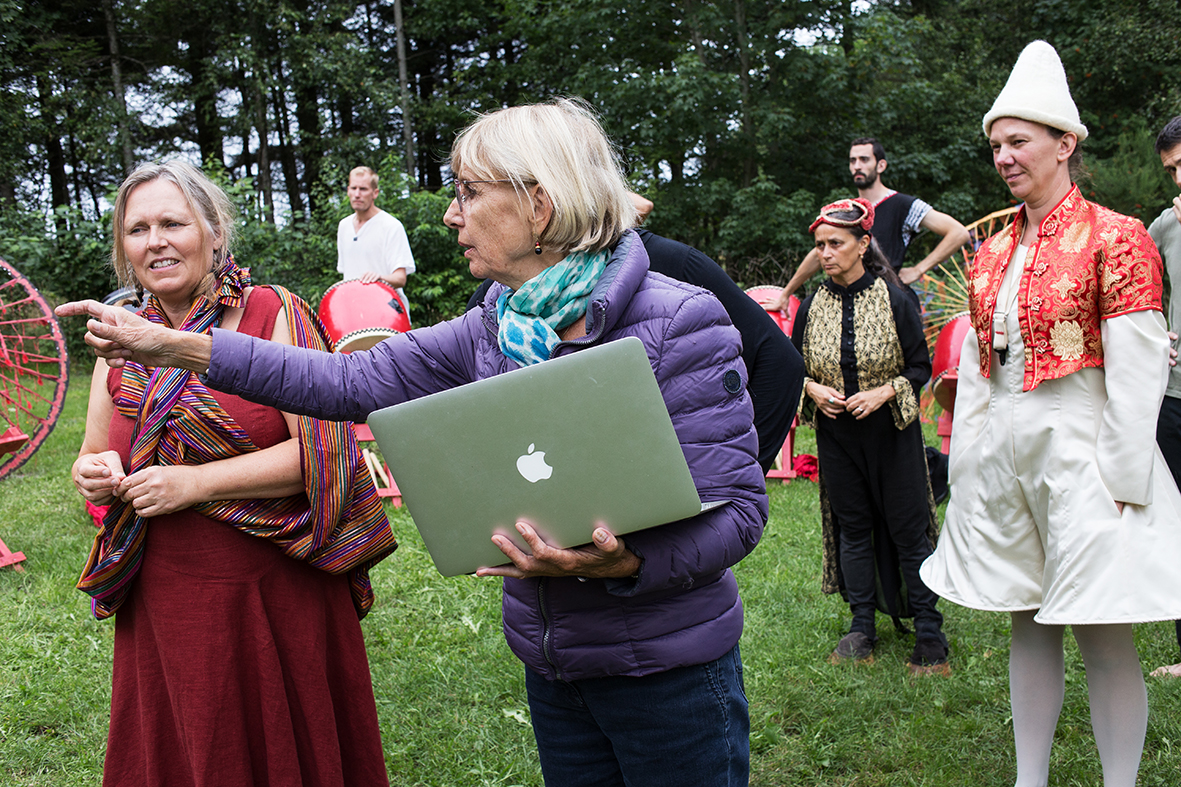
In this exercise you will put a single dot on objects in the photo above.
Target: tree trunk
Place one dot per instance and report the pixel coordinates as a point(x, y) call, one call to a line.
point(120, 97)
point(404, 85)
point(210, 141)
point(59, 193)
point(264, 152)
point(695, 30)
point(286, 145)
point(307, 117)
point(748, 147)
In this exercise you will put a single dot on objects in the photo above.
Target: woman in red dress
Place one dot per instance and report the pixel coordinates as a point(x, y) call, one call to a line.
point(238, 578)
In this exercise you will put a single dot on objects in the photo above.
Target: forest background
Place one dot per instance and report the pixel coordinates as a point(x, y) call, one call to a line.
point(733, 117)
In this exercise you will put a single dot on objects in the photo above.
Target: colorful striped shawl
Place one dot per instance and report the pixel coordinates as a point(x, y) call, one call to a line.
point(338, 526)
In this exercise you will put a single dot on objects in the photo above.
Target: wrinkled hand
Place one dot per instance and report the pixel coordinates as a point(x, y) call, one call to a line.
point(829, 401)
point(161, 489)
point(606, 556)
point(862, 403)
point(368, 277)
point(96, 476)
point(909, 275)
point(116, 334)
point(1172, 351)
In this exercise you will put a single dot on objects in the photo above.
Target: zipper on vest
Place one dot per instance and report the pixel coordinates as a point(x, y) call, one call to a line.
point(546, 644)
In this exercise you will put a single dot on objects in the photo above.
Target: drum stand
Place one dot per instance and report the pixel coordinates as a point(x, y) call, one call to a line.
point(10, 558)
point(378, 470)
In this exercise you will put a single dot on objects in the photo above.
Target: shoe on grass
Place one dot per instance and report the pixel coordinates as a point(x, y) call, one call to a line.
point(929, 658)
point(854, 647)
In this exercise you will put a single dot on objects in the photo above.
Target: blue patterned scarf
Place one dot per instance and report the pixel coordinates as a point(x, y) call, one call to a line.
point(531, 317)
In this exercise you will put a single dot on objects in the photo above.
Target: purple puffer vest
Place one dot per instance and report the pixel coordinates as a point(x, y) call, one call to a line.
point(684, 607)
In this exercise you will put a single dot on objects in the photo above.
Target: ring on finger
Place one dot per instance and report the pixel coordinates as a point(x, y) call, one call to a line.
point(831, 400)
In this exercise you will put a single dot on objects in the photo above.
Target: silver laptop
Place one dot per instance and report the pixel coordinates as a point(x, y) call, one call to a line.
point(564, 445)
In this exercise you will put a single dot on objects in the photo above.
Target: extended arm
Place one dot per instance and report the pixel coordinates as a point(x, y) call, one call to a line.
point(955, 236)
point(395, 279)
point(296, 380)
point(808, 268)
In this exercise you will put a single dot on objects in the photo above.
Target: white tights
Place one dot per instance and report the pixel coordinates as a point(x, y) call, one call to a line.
point(1115, 683)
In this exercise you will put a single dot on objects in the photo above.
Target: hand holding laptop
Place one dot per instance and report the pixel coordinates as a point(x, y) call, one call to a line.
point(606, 556)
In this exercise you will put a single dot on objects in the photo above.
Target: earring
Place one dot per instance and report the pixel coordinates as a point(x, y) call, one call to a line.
point(536, 245)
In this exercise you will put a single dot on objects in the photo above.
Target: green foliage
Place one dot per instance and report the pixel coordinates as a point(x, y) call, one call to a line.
point(719, 109)
point(65, 262)
point(1131, 181)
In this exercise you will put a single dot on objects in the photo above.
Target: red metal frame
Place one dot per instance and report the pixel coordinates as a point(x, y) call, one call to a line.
point(783, 470)
point(32, 356)
point(10, 558)
point(365, 435)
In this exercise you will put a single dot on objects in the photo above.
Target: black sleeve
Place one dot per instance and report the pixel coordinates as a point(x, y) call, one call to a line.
point(801, 322)
point(774, 368)
point(909, 323)
point(478, 296)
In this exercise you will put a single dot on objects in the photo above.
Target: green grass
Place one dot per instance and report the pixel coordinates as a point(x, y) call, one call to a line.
point(450, 695)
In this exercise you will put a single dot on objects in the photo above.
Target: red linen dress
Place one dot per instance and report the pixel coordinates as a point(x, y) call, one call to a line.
point(235, 664)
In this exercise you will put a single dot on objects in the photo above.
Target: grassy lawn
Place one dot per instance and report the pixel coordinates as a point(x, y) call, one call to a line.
point(451, 697)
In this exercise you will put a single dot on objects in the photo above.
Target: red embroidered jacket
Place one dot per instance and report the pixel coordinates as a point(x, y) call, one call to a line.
point(1087, 264)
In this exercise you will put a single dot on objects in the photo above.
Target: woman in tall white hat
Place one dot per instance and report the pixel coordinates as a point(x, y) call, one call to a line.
point(1059, 515)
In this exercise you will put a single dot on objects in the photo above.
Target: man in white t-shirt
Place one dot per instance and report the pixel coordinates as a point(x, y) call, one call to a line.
point(371, 245)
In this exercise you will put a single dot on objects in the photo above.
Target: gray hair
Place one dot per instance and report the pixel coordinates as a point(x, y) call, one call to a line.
point(561, 146)
point(208, 202)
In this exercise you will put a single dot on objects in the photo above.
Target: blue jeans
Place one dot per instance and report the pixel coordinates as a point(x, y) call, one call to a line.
point(685, 726)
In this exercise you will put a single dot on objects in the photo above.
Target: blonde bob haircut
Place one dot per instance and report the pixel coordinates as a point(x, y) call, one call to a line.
point(561, 146)
point(213, 209)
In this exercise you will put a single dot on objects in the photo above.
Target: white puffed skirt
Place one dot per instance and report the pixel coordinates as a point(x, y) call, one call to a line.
point(1031, 524)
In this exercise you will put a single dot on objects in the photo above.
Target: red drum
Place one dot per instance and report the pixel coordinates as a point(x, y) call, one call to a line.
point(766, 295)
point(946, 363)
point(359, 316)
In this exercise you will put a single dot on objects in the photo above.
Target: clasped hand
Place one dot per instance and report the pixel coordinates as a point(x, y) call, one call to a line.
point(832, 402)
point(606, 556)
point(152, 491)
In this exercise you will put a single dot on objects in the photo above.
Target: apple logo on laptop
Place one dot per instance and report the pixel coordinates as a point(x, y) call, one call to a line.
point(533, 466)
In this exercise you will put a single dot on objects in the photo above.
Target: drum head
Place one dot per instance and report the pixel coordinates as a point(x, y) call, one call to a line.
point(363, 339)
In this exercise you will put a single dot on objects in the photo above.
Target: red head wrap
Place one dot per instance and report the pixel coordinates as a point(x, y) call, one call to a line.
point(859, 206)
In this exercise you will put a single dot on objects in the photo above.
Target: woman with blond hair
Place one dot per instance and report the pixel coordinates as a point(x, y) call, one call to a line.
point(236, 550)
point(630, 645)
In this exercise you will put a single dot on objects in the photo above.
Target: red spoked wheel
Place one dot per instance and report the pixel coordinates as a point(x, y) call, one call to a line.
point(33, 369)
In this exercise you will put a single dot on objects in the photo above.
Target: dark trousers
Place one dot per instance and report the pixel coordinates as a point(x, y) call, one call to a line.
point(1168, 437)
point(683, 726)
point(875, 473)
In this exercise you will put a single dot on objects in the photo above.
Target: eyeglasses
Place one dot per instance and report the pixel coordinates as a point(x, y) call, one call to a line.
point(464, 193)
